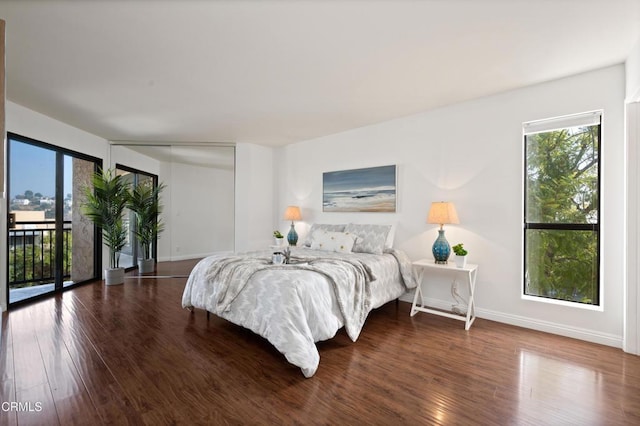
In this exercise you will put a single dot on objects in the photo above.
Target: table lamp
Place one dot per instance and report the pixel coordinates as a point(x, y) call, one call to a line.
point(442, 212)
point(292, 213)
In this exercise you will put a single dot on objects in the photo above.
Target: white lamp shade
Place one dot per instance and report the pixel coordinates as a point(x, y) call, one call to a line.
point(442, 212)
point(292, 213)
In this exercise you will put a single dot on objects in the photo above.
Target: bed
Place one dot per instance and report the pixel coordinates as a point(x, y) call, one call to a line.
point(334, 280)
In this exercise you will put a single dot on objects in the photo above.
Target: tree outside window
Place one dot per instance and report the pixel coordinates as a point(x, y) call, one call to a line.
point(562, 209)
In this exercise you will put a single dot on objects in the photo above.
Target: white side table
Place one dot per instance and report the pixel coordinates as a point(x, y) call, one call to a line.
point(469, 271)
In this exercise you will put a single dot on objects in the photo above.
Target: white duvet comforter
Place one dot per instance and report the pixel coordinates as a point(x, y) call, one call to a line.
point(294, 306)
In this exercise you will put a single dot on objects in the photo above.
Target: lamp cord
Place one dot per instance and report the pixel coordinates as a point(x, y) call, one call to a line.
point(460, 307)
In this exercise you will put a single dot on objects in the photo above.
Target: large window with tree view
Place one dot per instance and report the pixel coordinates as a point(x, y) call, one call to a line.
point(562, 208)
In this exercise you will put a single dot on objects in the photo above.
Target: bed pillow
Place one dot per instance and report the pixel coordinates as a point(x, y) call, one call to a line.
point(339, 242)
point(371, 238)
point(322, 226)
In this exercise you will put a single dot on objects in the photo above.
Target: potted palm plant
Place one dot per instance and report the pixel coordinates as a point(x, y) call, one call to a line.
point(106, 200)
point(144, 202)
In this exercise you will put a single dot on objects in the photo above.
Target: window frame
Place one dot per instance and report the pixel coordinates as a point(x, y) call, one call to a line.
point(554, 124)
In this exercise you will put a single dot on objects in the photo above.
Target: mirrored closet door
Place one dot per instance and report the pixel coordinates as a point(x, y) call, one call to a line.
point(198, 198)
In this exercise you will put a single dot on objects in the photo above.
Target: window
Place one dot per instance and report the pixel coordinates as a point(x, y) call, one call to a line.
point(562, 208)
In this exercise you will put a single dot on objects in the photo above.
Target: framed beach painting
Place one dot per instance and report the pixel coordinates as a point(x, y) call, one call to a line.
point(360, 190)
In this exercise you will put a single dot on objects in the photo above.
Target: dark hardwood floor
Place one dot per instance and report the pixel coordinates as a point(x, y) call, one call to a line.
point(130, 354)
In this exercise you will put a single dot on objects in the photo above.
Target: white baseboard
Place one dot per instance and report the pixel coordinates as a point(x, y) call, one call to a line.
point(553, 328)
point(531, 323)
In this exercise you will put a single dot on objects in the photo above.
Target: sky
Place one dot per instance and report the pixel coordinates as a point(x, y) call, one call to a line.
point(33, 168)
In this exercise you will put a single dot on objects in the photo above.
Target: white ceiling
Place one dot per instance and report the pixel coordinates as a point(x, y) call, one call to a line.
point(277, 72)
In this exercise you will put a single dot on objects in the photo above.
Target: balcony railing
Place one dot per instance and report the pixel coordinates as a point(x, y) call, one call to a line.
point(32, 253)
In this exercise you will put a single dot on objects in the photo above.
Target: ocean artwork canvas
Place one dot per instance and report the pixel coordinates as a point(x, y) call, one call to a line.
point(360, 190)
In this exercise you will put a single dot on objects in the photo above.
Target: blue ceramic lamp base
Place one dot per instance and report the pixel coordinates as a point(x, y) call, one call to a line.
point(292, 236)
point(441, 248)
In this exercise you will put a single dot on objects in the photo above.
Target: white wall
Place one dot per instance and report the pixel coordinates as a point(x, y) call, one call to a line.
point(471, 154)
point(632, 233)
point(632, 67)
point(254, 196)
point(31, 124)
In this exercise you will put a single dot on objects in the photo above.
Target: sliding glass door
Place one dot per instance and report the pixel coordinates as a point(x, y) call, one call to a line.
point(51, 245)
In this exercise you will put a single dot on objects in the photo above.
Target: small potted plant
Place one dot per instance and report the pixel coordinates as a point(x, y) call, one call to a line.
point(461, 255)
point(278, 237)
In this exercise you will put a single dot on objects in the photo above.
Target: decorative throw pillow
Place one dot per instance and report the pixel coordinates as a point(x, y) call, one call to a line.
point(340, 242)
point(322, 226)
point(370, 238)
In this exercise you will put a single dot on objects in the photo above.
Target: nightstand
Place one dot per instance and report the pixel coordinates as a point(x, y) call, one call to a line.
point(469, 271)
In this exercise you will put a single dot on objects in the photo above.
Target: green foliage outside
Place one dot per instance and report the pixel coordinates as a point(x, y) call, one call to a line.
point(562, 188)
point(36, 262)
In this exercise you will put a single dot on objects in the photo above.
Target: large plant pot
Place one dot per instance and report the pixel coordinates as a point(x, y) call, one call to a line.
point(114, 276)
point(146, 266)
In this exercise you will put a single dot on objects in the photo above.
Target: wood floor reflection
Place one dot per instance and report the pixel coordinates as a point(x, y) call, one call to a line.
point(130, 354)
